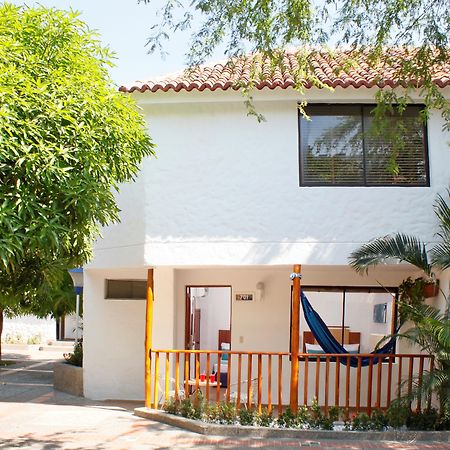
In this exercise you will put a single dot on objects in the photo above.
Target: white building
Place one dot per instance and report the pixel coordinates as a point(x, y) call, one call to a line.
point(230, 204)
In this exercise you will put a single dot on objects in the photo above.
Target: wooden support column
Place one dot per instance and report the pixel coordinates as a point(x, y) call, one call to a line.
point(295, 332)
point(148, 339)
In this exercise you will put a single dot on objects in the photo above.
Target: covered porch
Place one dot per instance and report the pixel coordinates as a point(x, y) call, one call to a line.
point(264, 376)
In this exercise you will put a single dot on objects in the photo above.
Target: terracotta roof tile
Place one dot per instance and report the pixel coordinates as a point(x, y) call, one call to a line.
point(330, 69)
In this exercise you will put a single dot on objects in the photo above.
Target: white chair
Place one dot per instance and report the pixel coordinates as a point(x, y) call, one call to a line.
point(171, 394)
point(244, 391)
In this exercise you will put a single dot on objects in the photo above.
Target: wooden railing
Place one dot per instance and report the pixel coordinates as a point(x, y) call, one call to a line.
point(257, 379)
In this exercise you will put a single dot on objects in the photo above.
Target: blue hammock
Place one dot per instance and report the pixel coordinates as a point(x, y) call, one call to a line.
point(328, 342)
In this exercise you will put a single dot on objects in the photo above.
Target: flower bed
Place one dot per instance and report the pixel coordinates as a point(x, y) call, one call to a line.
point(398, 416)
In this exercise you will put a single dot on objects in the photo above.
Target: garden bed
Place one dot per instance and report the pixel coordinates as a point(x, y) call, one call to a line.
point(68, 378)
point(398, 422)
point(215, 429)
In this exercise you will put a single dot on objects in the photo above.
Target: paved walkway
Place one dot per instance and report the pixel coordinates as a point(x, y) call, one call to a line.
point(34, 416)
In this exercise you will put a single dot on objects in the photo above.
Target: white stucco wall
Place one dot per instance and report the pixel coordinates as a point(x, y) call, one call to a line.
point(29, 329)
point(114, 332)
point(224, 189)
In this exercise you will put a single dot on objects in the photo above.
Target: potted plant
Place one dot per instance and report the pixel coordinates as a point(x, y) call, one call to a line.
point(430, 287)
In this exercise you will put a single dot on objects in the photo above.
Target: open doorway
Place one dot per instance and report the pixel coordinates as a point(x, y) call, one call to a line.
point(208, 317)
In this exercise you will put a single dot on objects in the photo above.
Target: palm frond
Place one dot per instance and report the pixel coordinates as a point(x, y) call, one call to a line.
point(399, 246)
point(442, 211)
point(440, 253)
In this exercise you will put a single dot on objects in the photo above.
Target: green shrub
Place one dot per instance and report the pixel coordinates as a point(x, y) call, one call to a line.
point(443, 422)
point(172, 406)
point(264, 419)
point(35, 339)
point(287, 419)
point(75, 358)
point(303, 415)
point(246, 417)
point(378, 421)
point(318, 419)
point(191, 410)
point(397, 415)
point(334, 413)
point(361, 422)
point(424, 420)
point(226, 413)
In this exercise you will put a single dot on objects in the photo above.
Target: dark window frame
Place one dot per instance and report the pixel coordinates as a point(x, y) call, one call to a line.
point(110, 296)
point(362, 106)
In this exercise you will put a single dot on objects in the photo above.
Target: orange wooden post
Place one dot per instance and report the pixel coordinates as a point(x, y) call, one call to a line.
point(148, 339)
point(295, 331)
point(280, 378)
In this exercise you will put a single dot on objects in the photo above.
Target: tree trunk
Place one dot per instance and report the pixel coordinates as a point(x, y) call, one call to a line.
point(1, 331)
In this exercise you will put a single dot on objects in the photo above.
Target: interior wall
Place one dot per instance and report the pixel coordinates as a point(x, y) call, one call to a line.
point(215, 309)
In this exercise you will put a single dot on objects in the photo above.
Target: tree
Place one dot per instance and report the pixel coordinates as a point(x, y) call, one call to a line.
point(377, 28)
point(68, 139)
point(55, 299)
point(430, 327)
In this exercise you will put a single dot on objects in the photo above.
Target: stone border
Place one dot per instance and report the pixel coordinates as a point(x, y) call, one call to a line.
point(197, 426)
point(68, 378)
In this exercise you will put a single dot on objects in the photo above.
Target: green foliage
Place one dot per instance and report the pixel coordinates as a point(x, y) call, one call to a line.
point(410, 295)
point(191, 410)
point(423, 420)
point(287, 419)
point(246, 417)
point(431, 327)
point(421, 28)
point(361, 422)
point(172, 406)
point(55, 297)
point(399, 246)
point(397, 414)
point(265, 418)
point(75, 358)
point(302, 415)
point(431, 331)
point(67, 140)
point(320, 420)
point(440, 253)
point(35, 339)
point(226, 413)
point(378, 420)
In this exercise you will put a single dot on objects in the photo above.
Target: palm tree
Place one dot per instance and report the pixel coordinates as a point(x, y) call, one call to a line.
point(431, 327)
point(431, 331)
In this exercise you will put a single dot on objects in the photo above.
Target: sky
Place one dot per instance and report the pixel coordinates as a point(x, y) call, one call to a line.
point(124, 26)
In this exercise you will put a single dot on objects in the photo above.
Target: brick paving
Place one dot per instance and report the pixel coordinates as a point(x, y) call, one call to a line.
point(34, 416)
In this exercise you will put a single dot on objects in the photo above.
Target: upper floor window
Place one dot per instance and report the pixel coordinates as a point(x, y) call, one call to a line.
point(338, 147)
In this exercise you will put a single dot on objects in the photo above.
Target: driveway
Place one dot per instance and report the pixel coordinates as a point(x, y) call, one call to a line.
point(34, 416)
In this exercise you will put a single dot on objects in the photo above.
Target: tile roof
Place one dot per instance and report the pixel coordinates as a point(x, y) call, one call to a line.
point(332, 70)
